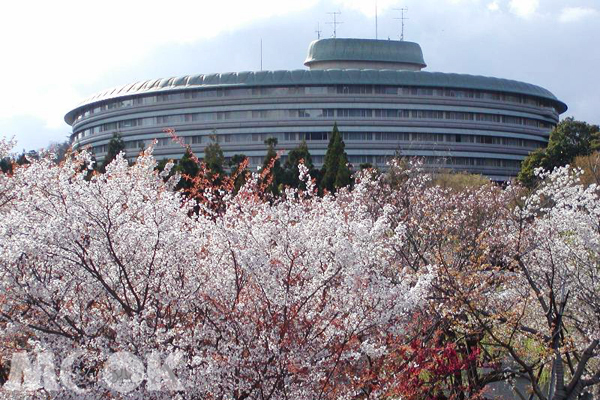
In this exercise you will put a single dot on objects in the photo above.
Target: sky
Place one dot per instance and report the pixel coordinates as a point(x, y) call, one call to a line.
point(58, 53)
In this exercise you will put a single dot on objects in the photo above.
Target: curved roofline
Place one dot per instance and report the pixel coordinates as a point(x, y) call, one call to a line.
point(319, 77)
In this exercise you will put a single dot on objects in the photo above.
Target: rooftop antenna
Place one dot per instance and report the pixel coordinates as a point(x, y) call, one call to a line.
point(403, 18)
point(335, 22)
point(318, 31)
point(261, 56)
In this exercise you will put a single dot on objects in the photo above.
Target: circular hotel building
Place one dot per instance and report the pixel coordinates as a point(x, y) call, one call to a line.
point(376, 91)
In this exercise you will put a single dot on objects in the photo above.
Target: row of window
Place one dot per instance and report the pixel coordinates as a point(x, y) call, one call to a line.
point(356, 160)
point(474, 162)
point(440, 161)
point(348, 137)
point(312, 113)
point(360, 136)
point(318, 90)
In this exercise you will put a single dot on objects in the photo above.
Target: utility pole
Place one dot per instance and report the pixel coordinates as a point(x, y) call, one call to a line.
point(402, 18)
point(335, 22)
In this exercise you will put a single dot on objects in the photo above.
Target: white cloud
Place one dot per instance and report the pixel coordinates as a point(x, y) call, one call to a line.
point(464, 1)
point(524, 8)
point(574, 14)
point(367, 7)
point(65, 43)
point(493, 6)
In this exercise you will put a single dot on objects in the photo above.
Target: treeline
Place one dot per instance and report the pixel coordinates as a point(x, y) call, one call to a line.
point(335, 173)
point(571, 142)
point(59, 150)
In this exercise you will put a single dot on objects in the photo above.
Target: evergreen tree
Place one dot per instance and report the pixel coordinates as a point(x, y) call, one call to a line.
point(213, 157)
point(60, 150)
point(186, 166)
point(335, 163)
point(290, 166)
point(160, 167)
point(234, 165)
point(568, 140)
point(25, 157)
point(115, 146)
point(276, 170)
point(22, 159)
point(6, 165)
point(235, 161)
point(534, 160)
point(343, 177)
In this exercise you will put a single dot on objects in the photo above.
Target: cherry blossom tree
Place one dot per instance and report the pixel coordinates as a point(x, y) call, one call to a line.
point(516, 280)
point(118, 286)
point(558, 261)
point(462, 235)
point(523, 283)
point(279, 299)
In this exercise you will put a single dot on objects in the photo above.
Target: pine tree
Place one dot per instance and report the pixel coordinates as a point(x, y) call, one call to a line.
point(290, 166)
point(235, 161)
point(115, 146)
point(276, 171)
point(60, 150)
point(234, 164)
point(6, 165)
point(22, 159)
point(161, 165)
point(187, 166)
point(25, 158)
point(343, 177)
point(335, 163)
point(213, 157)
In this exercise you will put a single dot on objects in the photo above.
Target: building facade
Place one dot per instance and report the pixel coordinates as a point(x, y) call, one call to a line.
point(376, 91)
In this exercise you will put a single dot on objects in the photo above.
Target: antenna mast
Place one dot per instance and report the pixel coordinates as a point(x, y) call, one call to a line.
point(403, 18)
point(318, 31)
point(335, 22)
point(261, 56)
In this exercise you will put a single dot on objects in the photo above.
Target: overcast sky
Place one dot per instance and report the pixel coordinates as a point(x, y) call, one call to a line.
point(57, 53)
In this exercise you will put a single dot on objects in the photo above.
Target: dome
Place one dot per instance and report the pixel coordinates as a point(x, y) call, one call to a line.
point(364, 54)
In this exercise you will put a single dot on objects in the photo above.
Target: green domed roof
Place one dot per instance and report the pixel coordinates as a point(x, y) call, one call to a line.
point(369, 50)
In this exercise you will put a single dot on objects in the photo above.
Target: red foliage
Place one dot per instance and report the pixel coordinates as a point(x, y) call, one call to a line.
point(432, 366)
point(209, 189)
